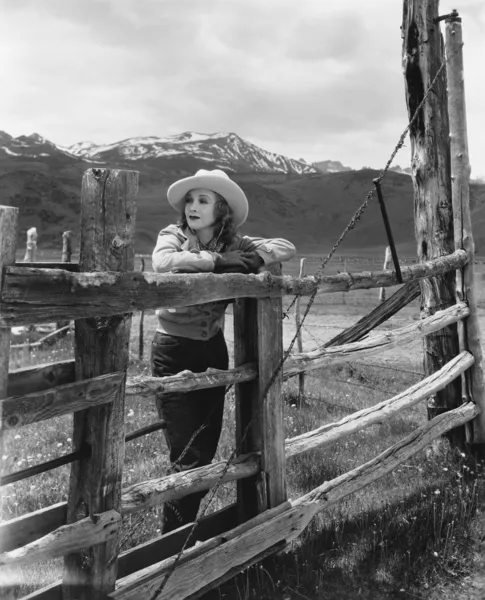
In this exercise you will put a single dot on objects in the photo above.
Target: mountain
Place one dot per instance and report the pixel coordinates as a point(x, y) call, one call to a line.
point(330, 166)
point(399, 169)
point(178, 153)
point(311, 209)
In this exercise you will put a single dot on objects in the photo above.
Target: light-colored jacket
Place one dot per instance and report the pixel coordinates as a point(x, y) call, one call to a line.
point(177, 250)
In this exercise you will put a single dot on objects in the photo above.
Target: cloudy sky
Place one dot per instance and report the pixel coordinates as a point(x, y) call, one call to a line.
point(305, 78)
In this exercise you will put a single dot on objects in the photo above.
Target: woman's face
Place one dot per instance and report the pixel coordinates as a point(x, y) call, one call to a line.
point(199, 210)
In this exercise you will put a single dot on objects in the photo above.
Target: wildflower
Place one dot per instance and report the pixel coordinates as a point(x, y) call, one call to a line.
point(17, 437)
point(435, 554)
point(59, 444)
point(437, 492)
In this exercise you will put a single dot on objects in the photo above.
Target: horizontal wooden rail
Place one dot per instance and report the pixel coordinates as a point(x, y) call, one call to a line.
point(211, 560)
point(27, 528)
point(43, 376)
point(323, 357)
point(39, 295)
point(383, 410)
point(382, 312)
point(65, 266)
point(154, 491)
point(66, 539)
point(187, 381)
point(29, 380)
point(158, 548)
point(55, 463)
point(39, 406)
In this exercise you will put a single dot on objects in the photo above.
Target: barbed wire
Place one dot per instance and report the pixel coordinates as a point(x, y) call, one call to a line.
point(318, 277)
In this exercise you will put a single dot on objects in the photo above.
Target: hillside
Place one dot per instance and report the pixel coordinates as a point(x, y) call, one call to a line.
point(311, 210)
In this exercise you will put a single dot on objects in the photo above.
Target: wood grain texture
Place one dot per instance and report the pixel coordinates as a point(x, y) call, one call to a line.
point(376, 344)
point(216, 557)
point(382, 312)
point(27, 528)
point(157, 549)
point(463, 231)
point(108, 212)
point(423, 54)
point(187, 381)
point(381, 411)
point(270, 381)
point(155, 491)
point(32, 295)
point(8, 240)
point(64, 399)
point(29, 380)
point(251, 493)
point(68, 538)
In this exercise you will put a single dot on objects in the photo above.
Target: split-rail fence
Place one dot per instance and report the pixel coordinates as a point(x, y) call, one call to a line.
point(99, 294)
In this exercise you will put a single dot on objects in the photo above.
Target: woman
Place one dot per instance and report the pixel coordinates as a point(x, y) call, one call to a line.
point(212, 207)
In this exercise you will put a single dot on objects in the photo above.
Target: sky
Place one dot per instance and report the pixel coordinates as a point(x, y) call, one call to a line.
point(309, 79)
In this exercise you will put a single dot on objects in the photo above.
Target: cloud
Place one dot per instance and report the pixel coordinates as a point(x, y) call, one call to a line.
point(289, 75)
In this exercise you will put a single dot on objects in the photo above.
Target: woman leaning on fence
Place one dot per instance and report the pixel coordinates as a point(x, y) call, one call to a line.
point(211, 208)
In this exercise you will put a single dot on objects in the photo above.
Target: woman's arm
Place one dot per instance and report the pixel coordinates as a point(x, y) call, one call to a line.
point(273, 250)
point(168, 254)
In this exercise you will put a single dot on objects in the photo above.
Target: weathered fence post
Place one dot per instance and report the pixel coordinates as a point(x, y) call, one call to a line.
point(31, 245)
point(460, 175)
point(299, 339)
point(141, 340)
point(65, 258)
point(430, 160)
point(8, 241)
point(66, 247)
point(258, 337)
point(101, 346)
point(387, 261)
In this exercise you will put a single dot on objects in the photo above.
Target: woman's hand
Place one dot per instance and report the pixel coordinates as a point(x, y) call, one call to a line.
point(237, 261)
point(253, 260)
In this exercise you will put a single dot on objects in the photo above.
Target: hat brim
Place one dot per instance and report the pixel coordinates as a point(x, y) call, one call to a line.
point(227, 188)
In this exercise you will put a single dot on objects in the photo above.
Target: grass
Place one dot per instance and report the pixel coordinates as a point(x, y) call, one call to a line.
point(406, 535)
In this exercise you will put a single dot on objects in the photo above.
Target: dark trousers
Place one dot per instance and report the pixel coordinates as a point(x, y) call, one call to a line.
point(193, 420)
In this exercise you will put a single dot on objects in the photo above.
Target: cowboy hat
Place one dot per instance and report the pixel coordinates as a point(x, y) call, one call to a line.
point(216, 181)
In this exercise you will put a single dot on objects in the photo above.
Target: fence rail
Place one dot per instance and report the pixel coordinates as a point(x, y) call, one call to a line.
point(32, 295)
point(94, 387)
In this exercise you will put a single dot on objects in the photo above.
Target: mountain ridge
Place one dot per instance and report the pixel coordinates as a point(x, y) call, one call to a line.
point(311, 208)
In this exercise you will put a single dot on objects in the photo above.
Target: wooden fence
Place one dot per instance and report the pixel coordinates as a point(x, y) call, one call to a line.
point(100, 293)
point(85, 529)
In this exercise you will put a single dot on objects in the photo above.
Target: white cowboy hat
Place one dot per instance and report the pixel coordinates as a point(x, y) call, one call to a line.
point(216, 181)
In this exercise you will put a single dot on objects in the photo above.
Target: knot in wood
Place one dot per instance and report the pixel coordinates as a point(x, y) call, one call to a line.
point(97, 173)
point(12, 421)
point(82, 510)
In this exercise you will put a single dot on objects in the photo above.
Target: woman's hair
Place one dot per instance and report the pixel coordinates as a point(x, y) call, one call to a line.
point(224, 228)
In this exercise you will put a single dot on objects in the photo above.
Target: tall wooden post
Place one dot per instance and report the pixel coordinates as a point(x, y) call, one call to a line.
point(258, 337)
point(8, 241)
point(101, 347)
point(430, 160)
point(299, 339)
point(31, 245)
point(460, 176)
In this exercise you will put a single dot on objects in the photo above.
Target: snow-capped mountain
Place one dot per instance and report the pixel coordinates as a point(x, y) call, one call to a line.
point(217, 150)
point(330, 166)
point(30, 146)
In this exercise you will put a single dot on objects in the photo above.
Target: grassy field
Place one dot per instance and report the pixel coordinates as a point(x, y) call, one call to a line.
point(410, 535)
